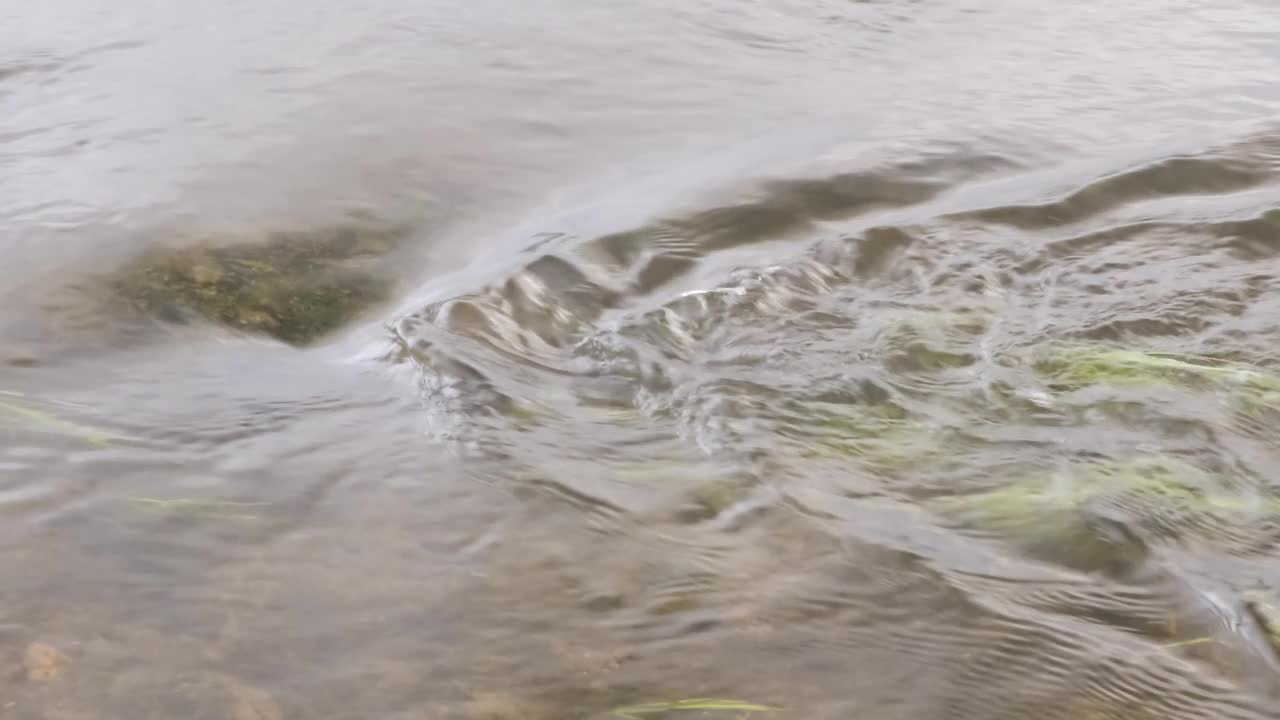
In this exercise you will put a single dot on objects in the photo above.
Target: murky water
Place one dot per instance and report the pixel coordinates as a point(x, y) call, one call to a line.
point(530, 361)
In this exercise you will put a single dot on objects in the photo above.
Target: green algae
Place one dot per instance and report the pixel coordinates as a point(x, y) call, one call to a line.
point(1084, 365)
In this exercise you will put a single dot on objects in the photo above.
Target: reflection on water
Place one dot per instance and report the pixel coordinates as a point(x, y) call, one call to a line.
point(880, 360)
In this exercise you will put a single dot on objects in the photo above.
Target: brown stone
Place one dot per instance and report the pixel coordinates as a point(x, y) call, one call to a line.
point(251, 703)
point(44, 662)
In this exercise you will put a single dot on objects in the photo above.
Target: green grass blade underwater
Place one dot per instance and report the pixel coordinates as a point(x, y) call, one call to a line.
point(19, 413)
point(632, 712)
point(1083, 365)
point(198, 507)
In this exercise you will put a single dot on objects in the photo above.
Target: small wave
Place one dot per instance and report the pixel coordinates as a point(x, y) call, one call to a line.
point(886, 355)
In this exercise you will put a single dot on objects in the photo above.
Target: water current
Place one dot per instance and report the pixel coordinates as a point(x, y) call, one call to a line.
point(879, 359)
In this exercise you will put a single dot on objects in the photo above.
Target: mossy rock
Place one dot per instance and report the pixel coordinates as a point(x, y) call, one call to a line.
point(295, 286)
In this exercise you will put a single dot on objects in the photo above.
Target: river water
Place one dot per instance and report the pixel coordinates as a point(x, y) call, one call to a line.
point(813, 355)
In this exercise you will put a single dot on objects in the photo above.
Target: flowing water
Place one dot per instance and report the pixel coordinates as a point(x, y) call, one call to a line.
point(879, 359)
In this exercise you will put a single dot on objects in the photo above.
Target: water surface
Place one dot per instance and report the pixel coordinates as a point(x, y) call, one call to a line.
point(814, 354)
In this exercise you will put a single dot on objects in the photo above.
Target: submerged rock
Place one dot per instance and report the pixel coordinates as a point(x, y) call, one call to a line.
point(295, 286)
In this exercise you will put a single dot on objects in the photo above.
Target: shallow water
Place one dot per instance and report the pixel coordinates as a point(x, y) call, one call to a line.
point(796, 353)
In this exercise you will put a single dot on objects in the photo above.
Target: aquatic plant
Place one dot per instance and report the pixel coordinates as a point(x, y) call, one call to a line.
point(199, 507)
point(19, 408)
point(1153, 483)
point(1191, 642)
point(854, 430)
point(917, 321)
point(633, 712)
point(915, 341)
point(895, 445)
point(1261, 608)
point(1082, 365)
